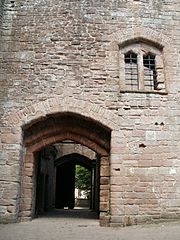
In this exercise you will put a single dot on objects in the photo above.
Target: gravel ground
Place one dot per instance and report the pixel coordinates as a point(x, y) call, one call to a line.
point(75, 225)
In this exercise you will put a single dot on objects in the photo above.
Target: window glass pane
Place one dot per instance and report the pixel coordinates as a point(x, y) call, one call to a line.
point(131, 71)
point(150, 74)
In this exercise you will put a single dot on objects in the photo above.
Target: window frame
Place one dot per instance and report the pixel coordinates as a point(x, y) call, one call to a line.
point(150, 71)
point(142, 49)
point(130, 68)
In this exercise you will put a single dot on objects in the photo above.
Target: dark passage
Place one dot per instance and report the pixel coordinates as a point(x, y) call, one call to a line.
point(65, 185)
point(57, 180)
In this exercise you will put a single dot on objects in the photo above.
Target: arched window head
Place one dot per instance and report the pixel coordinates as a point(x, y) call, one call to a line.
point(131, 70)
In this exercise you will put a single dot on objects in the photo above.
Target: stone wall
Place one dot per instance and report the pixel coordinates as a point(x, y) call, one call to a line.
point(1, 11)
point(1, 77)
point(7, 13)
point(63, 56)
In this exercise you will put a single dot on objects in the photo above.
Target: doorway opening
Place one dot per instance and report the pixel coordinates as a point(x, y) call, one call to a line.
point(77, 182)
point(55, 146)
point(67, 182)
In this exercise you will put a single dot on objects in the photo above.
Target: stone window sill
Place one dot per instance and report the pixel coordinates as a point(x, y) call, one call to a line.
point(144, 91)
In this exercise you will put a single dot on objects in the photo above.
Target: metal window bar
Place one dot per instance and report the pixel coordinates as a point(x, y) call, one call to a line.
point(150, 73)
point(131, 71)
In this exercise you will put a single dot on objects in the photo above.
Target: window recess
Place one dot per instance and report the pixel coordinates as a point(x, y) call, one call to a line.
point(141, 68)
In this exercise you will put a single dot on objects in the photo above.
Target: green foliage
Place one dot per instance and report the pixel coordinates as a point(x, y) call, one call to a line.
point(83, 178)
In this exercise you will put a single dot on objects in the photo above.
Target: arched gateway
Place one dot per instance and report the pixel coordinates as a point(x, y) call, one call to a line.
point(50, 122)
point(52, 130)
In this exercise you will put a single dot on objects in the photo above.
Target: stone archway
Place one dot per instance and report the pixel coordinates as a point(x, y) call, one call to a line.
point(77, 158)
point(23, 155)
point(56, 128)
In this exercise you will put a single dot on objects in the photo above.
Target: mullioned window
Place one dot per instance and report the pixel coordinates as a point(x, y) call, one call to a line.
point(141, 67)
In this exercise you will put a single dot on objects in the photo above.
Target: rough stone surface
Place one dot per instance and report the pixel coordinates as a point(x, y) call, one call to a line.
point(62, 56)
point(1, 11)
point(71, 226)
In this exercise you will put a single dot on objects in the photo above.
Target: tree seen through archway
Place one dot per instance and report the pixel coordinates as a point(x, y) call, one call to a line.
point(83, 182)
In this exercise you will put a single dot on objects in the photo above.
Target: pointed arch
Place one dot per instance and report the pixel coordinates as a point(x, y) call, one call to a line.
point(53, 129)
point(143, 40)
point(76, 158)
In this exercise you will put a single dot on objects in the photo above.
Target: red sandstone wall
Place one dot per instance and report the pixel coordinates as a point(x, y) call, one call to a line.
point(67, 52)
